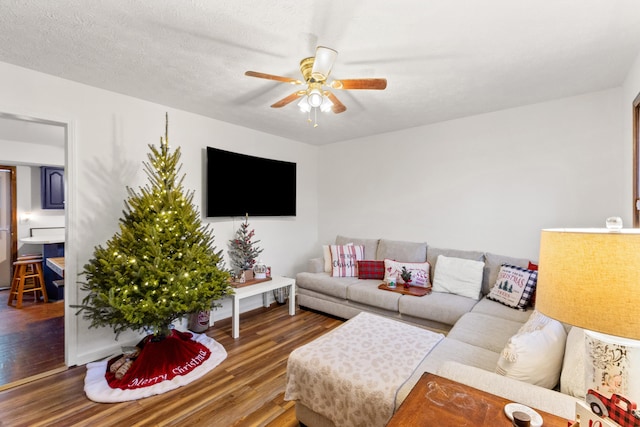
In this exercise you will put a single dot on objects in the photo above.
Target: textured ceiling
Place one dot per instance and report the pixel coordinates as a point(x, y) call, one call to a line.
point(443, 59)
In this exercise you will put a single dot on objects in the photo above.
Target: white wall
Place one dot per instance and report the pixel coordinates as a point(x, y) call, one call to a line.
point(109, 134)
point(489, 182)
point(28, 201)
point(28, 158)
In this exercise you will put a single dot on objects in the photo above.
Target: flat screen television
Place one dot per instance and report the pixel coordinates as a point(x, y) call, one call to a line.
point(239, 184)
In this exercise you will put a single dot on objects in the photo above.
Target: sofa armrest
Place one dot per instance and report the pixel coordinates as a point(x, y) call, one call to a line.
point(315, 265)
point(531, 395)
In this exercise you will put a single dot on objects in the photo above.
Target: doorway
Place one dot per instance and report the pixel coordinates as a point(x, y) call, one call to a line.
point(8, 246)
point(32, 344)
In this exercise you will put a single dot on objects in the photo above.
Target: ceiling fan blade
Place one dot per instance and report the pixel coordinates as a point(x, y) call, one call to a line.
point(377, 84)
point(323, 62)
point(338, 107)
point(289, 99)
point(272, 77)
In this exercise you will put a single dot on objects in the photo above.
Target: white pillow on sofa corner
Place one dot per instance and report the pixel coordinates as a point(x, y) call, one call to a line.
point(572, 376)
point(534, 355)
point(458, 276)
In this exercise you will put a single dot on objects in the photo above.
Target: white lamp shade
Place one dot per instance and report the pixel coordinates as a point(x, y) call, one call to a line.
point(323, 62)
point(304, 105)
point(314, 98)
point(326, 105)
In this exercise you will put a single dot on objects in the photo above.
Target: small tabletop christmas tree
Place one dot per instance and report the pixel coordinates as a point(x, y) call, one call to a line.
point(242, 251)
point(162, 265)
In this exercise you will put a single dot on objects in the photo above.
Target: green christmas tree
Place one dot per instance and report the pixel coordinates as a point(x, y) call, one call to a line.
point(162, 265)
point(242, 251)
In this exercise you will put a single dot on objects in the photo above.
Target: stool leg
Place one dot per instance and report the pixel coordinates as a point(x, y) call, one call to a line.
point(20, 290)
point(14, 285)
point(40, 279)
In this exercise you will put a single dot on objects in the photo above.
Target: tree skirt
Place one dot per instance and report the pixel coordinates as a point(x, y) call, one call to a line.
point(160, 366)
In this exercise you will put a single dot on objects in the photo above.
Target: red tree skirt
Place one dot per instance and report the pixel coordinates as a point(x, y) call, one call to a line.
point(161, 366)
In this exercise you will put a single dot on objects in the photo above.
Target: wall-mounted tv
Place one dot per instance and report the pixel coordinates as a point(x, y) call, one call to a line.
point(239, 184)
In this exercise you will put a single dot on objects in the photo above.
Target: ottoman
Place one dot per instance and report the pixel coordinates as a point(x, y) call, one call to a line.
point(350, 376)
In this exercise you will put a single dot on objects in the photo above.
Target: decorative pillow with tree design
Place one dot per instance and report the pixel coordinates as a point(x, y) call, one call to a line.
point(419, 272)
point(514, 286)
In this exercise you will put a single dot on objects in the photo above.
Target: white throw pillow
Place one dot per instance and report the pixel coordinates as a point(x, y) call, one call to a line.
point(326, 252)
point(534, 355)
point(572, 377)
point(458, 276)
point(419, 272)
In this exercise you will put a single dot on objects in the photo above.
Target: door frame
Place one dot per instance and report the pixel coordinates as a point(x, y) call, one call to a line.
point(14, 217)
point(70, 189)
point(636, 161)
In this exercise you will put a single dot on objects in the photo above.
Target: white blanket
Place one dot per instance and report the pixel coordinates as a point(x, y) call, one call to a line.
point(351, 374)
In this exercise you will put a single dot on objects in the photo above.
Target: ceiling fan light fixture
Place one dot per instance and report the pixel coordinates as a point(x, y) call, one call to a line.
point(315, 98)
point(304, 105)
point(323, 62)
point(326, 105)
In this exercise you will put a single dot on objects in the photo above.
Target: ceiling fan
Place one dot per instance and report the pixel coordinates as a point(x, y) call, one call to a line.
point(316, 70)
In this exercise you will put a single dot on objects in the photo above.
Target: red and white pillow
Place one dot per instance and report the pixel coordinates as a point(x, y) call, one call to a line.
point(344, 260)
point(419, 272)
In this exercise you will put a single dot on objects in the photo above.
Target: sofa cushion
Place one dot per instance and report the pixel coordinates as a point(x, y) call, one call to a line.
point(367, 292)
point(462, 352)
point(498, 310)
point(514, 286)
point(572, 380)
point(324, 283)
point(492, 266)
point(402, 251)
point(344, 260)
point(371, 269)
point(432, 255)
point(445, 351)
point(483, 330)
point(512, 390)
point(534, 355)
point(370, 245)
point(458, 276)
point(419, 272)
point(440, 307)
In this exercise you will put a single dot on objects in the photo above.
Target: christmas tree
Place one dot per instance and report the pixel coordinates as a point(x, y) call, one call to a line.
point(162, 265)
point(242, 250)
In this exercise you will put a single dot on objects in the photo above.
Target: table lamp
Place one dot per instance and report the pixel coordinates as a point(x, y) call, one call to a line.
point(590, 278)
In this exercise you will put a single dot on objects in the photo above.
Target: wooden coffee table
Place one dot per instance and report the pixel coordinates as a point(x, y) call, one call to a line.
point(438, 401)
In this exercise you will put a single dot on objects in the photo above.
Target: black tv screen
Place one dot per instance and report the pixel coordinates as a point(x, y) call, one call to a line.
point(239, 184)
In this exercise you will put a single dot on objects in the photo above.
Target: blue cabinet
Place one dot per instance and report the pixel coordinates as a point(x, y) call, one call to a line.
point(52, 250)
point(52, 187)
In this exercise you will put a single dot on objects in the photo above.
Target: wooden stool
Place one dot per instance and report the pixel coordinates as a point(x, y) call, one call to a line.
point(27, 277)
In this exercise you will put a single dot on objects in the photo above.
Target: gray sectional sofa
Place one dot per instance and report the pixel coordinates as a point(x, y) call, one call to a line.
point(477, 329)
point(347, 296)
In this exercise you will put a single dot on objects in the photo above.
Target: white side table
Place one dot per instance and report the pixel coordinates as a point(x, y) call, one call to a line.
point(276, 282)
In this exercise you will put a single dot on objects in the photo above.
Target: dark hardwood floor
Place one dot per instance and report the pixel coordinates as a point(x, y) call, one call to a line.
point(246, 389)
point(31, 339)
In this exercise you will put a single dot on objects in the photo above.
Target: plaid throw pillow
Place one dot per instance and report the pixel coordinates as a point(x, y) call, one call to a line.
point(514, 286)
point(370, 269)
